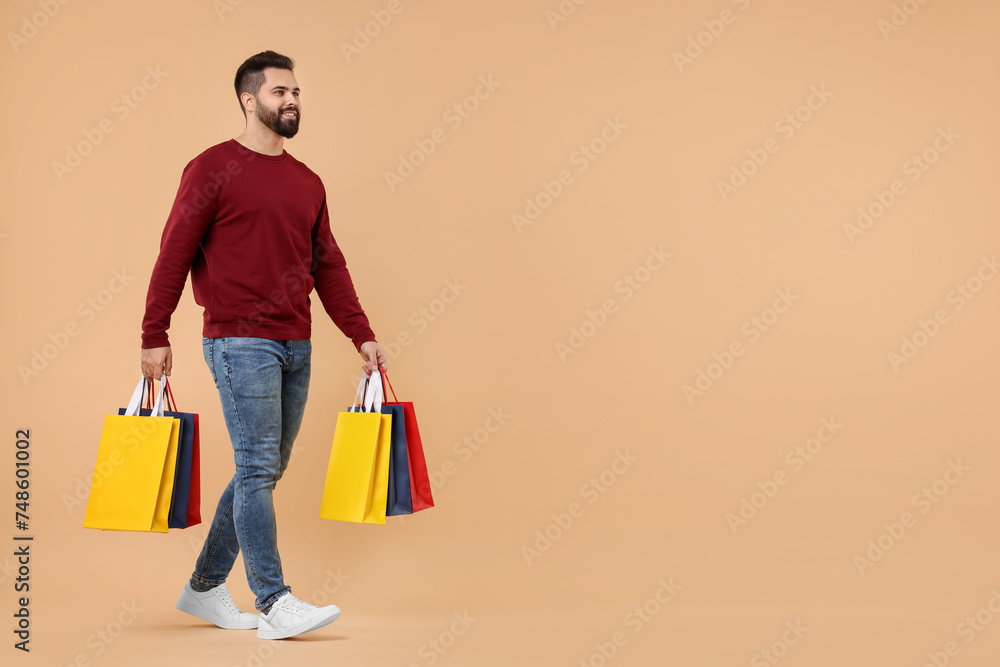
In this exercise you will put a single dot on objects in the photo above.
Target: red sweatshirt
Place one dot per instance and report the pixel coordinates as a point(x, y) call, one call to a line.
point(254, 232)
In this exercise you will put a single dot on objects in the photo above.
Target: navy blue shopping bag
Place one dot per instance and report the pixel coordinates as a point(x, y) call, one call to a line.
point(399, 501)
point(178, 517)
point(398, 498)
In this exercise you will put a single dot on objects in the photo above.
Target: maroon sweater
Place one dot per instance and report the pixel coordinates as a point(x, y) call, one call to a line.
point(254, 232)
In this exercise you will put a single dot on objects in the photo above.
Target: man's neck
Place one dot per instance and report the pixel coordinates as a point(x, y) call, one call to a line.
point(262, 140)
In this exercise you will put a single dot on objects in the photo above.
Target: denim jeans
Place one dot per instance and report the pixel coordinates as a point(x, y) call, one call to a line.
point(263, 385)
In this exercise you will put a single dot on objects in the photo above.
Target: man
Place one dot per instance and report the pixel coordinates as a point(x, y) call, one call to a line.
point(250, 222)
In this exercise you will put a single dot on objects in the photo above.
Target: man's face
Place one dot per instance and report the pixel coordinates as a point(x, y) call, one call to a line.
point(278, 102)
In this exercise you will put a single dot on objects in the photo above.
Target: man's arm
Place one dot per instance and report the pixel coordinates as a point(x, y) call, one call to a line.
point(193, 211)
point(336, 291)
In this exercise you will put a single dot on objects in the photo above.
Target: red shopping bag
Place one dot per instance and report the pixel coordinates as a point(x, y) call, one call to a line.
point(420, 485)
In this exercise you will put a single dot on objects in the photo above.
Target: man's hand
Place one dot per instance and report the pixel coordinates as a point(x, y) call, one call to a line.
point(157, 361)
point(374, 356)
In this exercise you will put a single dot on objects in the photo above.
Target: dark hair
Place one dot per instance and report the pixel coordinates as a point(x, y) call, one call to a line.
point(250, 75)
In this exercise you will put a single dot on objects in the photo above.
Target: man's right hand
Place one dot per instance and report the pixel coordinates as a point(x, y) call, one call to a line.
point(156, 361)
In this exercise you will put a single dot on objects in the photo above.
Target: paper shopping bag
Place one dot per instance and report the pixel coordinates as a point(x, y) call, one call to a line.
point(357, 476)
point(187, 511)
point(398, 497)
point(136, 461)
point(194, 501)
point(420, 485)
point(185, 500)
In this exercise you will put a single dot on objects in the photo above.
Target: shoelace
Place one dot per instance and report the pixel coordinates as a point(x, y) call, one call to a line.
point(294, 604)
point(227, 599)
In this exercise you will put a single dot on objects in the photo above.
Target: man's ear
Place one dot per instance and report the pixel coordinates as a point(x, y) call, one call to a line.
point(248, 102)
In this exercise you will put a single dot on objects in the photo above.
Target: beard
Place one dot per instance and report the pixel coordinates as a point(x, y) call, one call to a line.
point(283, 127)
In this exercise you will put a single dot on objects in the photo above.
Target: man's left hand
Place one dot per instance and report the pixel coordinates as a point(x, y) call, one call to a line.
point(375, 358)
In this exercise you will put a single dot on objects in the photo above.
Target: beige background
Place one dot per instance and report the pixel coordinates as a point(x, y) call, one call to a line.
point(494, 347)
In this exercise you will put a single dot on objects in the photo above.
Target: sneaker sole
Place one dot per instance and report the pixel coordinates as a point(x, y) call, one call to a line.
point(200, 613)
point(266, 632)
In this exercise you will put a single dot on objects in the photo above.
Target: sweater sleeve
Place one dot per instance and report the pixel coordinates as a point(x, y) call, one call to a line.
point(333, 283)
point(193, 211)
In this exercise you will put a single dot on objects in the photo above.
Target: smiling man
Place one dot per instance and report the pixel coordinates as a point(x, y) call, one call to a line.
point(250, 223)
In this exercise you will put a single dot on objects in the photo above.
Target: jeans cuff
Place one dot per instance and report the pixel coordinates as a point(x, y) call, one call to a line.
point(207, 582)
point(271, 599)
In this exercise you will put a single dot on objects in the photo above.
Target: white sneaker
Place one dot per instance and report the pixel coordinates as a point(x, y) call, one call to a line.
point(290, 616)
point(215, 606)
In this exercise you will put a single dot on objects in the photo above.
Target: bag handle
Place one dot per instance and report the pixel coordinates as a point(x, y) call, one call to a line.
point(157, 410)
point(385, 381)
point(358, 404)
point(147, 396)
point(133, 405)
point(373, 394)
point(171, 405)
point(147, 400)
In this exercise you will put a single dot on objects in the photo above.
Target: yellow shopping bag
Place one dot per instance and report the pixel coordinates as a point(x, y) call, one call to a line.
point(134, 472)
point(357, 477)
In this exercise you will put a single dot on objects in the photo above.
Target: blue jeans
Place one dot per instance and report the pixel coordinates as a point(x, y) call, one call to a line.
point(263, 385)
